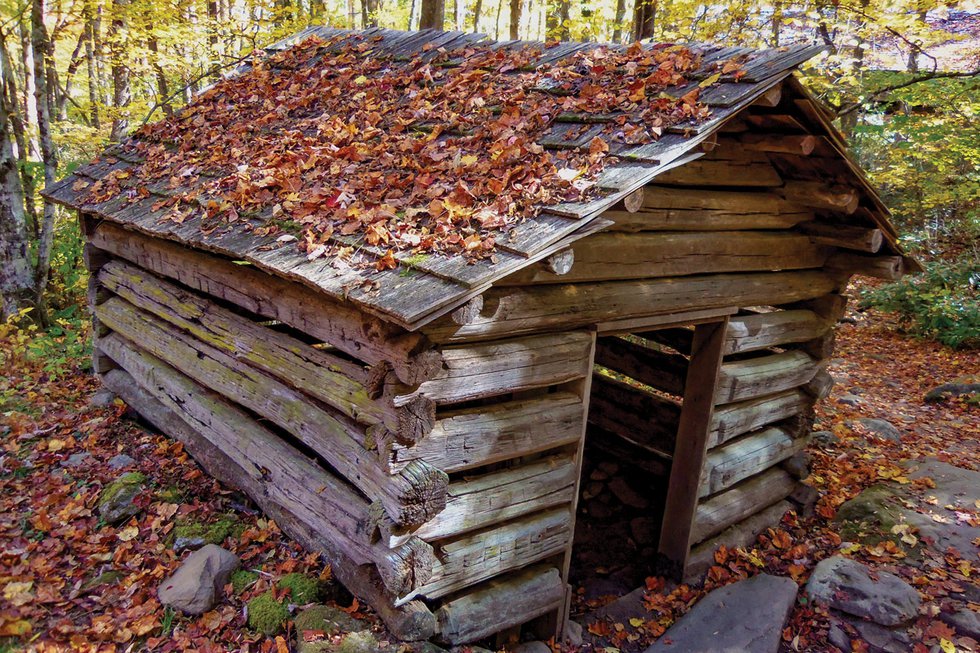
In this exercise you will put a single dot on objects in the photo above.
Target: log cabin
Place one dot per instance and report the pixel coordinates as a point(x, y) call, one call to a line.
point(423, 424)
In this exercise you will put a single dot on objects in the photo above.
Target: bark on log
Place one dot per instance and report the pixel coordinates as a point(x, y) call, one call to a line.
point(538, 308)
point(725, 167)
point(761, 331)
point(890, 268)
point(365, 337)
point(499, 604)
point(735, 419)
point(861, 239)
point(747, 456)
point(822, 195)
point(742, 380)
point(337, 381)
point(801, 144)
point(411, 497)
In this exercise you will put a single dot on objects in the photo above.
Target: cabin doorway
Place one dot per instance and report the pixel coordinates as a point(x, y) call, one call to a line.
point(650, 404)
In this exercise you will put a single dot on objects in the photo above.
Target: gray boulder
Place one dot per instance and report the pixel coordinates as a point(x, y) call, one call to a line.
point(948, 390)
point(121, 461)
point(878, 638)
point(745, 616)
point(532, 647)
point(965, 621)
point(574, 633)
point(848, 586)
point(197, 584)
point(850, 400)
point(102, 398)
point(77, 459)
point(116, 500)
point(824, 438)
point(881, 428)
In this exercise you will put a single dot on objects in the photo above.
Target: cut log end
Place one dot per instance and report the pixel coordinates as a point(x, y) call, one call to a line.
point(634, 201)
point(468, 312)
point(424, 493)
point(408, 567)
point(560, 263)
point(416, 418)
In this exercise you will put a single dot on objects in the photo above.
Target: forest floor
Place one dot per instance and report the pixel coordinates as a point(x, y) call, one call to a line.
point(69, 581)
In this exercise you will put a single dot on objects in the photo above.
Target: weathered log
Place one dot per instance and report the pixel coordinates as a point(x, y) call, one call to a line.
point(538, 308)
point(738, 502)
point(820, 348)
point(410, 497)
point(820, 385)
point(765, 375)
point(763, 330)
point(499, 604)
point(467, 312)
point(739, 169)
point(890, 268)
point(654, 462)
point(681, 209)
point(236, 450)
point(742, 534)
point(830, 307)
point(337, 381)
point(367, 338)
point(637, 416)
point(503, 367)
point(677, 338)
point(632, 202)
point(862, 239)
point(822, 195)
point(735, 419)
point(481, 555)
point(499, 496)
point(560, 262)
point(803, 144)
point(657, 369)
point(770, 98)
point(472, 437)
point(613, 256)
point(747, 456)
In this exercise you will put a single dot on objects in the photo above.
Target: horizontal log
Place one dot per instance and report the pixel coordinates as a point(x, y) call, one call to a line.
point(738, 502)
point(770, 99)
point(411, 622)
point(412, 496)
point(820, 385)
point(560, 262)
point(612, 256)
point(639, 417)
point(742, 534)
point(657, 369)
point(765, 375)
point(802, 144)
point(468, 312)
point(747, 456)
point(499, 604)
point(568, 306)
point(367, 338)
point(654, 462)
point(890, 268)
point(499, 496)
point(862, 239)
point(345, 385)
point(731, 420)
point(822, 195)
point(479, 556)
point(473, 437)
point(830, 307)
point(724, 167)
point(264, 467)
point(681, 209)
point(503, 367)
point(763, 330)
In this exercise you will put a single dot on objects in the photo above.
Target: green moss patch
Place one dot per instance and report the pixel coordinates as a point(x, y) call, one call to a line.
point(266, 614)
point(242, 579)
point(302, 589)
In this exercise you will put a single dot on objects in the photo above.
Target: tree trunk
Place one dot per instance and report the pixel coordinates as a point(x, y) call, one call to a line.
point(370, 13)
point(515, 19)
point(433, 14)
point(620, 18)
point(120, 71)
point(163, 89)
point(477, 10)
point(557, 26)
point(18, 129)
point(39, 40)
point(644, 19)
point(777, 22)
point(30, 97)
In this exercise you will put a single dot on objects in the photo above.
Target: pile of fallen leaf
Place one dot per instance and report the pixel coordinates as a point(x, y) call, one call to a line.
point(438, 153)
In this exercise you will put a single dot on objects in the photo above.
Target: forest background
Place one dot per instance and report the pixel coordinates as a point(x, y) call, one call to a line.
point(903, 77)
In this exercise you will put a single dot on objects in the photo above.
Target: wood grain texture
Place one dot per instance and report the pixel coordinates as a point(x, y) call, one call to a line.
point(738, 502)
point(754, 332)
point(750, 378)
point(746, 456)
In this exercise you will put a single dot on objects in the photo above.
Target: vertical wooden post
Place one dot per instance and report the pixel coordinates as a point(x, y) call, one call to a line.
point(690, 448)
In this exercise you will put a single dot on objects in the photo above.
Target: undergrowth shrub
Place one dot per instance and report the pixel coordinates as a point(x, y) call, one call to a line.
point(943, 303)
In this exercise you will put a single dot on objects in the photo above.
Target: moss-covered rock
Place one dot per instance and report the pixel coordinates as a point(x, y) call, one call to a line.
point(110, 577)
point(302, 589)
point(326, 619)
point(242, 579)
point(869, 517)
point(266, 614)
point(190, 534)
point(116, 499)
point(362, 641)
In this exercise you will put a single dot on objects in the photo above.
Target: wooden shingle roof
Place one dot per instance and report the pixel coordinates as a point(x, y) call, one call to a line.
point(420, 289)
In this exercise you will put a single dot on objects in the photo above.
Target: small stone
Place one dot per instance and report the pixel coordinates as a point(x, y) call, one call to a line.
point(362, 641)
point(469, 648)
point(878, 638)
point(626, 494)
point(850, 400)
point(196, 585)
point(745, 616)
point(574, 633)
point(848, 586)
point(102, 398)
point(824, 438)
point(121, 461)
point(532, 647)
point(191, 543)
point(77, 459)
point(949, 390)
point(798, 465)
point(838, 636)
point(592, 490)
point(881, 428)
point(965, 621)
point(116, 500)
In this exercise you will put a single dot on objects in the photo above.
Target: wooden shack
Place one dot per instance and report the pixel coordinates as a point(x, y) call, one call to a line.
point(424, 425)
